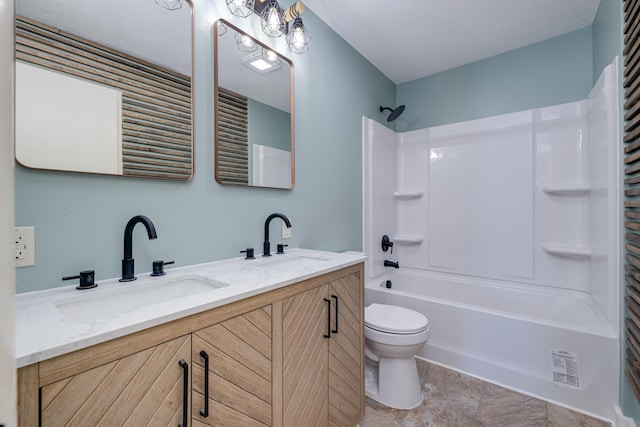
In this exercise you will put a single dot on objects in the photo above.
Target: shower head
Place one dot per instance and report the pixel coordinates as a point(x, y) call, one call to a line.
point(394, 113)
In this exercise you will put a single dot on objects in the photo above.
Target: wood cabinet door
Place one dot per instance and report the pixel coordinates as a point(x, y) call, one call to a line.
point(346, 389)
point(239, 371)
point(145, 388)
point(305, 359)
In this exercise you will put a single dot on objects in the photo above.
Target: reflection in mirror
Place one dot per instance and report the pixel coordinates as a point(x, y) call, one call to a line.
point(254, 144)
point(105, 87)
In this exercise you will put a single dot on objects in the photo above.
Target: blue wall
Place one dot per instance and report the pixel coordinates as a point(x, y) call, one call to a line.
point(79, 219)
point(268, 126)
point(551, 72)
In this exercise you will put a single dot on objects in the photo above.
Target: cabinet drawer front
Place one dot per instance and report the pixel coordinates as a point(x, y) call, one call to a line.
point(305, 359)
point(346, 354)
point(240, 371)
point(145, 387)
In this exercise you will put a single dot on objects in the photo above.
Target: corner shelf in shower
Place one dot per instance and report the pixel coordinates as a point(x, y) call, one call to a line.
point(565, 250)
point(409, 239)
point(408, 195)
point(567, 190)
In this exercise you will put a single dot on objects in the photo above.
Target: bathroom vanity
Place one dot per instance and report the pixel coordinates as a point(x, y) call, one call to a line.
point(283, 350)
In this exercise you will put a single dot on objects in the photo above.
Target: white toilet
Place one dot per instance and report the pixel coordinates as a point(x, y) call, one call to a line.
point(393, 336)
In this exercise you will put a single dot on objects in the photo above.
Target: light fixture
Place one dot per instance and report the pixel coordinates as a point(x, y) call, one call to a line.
point(262, 63)
point(242, 8)
point(245, 43)
point(170, 4)
point(273, 22)
point(298, 38)
point(271, 57)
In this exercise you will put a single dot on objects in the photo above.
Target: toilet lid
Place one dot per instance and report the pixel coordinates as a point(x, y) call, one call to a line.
point(394, 319)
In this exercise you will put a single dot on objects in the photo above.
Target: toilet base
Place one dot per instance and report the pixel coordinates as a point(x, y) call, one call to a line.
point(394, 382)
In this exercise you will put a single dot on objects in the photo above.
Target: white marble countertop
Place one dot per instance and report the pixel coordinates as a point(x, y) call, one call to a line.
point(45, 330)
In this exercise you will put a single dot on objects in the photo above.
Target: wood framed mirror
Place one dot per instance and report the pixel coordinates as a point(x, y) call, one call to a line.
point(105, 87)
point(254, 111)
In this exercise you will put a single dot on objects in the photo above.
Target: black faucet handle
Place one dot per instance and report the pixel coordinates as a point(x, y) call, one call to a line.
point(87, 279)
point(386, 244)
point(249, 252)
point(158, 267)
point(280, 248)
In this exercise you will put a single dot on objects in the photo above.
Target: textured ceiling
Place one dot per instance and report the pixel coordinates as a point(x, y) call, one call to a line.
point(410, 39)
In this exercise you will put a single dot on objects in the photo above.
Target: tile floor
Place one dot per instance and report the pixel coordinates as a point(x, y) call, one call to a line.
point(452, 399)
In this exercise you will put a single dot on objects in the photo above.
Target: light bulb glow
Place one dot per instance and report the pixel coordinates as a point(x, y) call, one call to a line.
point(298, 37)
point(274, 22)
point(271, 56)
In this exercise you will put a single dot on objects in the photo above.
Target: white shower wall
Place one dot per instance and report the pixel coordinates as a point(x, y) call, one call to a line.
point(529, 197)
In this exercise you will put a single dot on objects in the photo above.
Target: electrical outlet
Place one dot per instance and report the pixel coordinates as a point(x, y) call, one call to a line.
point(286, 231)
point(25, 248)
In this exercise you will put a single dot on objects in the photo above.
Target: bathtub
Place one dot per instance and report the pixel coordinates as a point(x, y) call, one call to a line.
point(511, 334)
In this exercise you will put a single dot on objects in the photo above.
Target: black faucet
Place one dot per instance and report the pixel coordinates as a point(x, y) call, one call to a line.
point(127, 263)
point(388, 263)
point(266, 248)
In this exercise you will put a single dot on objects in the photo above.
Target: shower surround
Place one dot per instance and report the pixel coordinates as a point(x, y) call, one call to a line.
point(507, 230)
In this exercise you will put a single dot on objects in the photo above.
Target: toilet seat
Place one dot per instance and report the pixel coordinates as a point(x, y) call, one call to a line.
point(394, 320)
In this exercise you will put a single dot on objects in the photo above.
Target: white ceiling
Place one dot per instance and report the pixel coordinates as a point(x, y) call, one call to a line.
point(411, 39)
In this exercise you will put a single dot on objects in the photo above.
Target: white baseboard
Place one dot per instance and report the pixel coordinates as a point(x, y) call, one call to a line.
point(621, 420)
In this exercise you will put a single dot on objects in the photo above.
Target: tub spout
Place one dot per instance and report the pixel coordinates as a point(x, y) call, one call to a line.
point(388, 263)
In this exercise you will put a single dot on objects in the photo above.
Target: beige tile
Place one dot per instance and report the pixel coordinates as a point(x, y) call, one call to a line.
point(563, 417)
point(447, 381)
point(500, 407)
point(452, 399)
point(378, 415)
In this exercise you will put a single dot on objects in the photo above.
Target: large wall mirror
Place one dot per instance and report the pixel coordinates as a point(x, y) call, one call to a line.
point(254, 121)
point(105, 87)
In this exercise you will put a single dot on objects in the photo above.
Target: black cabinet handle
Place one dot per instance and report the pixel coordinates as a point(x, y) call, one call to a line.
point(205, 412)
point(328, 334)
point(185, 395)
point(335, 331)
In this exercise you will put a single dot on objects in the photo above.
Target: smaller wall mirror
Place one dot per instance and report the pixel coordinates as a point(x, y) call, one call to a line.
point(254, 104)
point(105, 87)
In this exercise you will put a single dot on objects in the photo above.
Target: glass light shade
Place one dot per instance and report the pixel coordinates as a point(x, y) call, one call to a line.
point(222, 29)
point(245, 43)
point(270, 56)
point(242, 8)
point(273, 22)
point(298, 38)
point(169, 4)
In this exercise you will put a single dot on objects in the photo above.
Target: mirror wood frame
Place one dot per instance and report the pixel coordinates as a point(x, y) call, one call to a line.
point(216, 56)
point(158, 175)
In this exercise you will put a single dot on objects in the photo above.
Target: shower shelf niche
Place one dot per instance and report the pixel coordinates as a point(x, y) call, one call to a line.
point(567, 190)
point(409, 239)
point(408, 194)
point(565, 250)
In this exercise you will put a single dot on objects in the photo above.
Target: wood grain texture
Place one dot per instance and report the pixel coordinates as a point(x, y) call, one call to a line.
point(28, 396)
point(240, 368)
point(346, 355)
point(631, 139)
point(305, 359)
point(134, 390)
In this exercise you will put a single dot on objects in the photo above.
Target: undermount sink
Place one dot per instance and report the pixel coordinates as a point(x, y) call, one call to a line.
point(291, 262)
point(130, 297)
